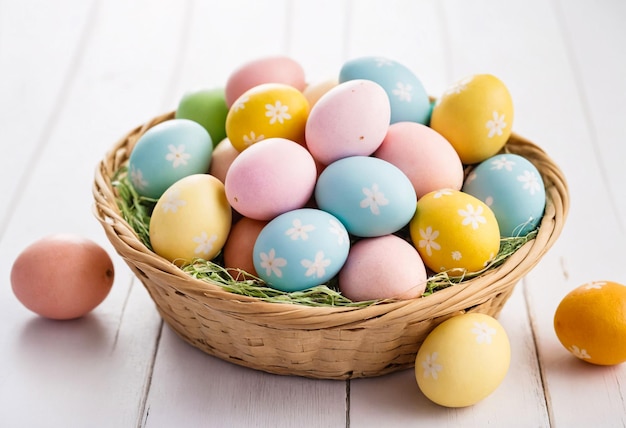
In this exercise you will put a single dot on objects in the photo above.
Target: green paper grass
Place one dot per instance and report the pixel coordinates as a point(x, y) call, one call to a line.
point(136, 211)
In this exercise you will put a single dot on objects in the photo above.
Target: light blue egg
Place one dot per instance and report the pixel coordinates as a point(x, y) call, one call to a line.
point(407, 96)
point(300, 249)
point(168, 152)
point(370, 196)
point(513, 188)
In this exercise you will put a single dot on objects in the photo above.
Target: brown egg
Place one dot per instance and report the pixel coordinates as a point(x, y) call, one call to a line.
point(223, 155)
point(62, 276)
point(239, 245)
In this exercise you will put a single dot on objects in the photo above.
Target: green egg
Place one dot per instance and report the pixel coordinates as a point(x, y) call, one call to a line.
point(208, 108)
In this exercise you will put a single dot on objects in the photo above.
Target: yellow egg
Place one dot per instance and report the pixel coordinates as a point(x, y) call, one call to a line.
point(454, 232)
point(191, 220)
point(475, 115)
point(267, 110)
point(463, 360)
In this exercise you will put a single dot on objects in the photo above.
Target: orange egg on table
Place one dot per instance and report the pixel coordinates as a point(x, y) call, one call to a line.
point(266, 111)
point(237, 251)
point(62, 276)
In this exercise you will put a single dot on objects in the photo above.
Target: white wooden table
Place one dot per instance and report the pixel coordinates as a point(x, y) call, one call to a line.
point(77, 75)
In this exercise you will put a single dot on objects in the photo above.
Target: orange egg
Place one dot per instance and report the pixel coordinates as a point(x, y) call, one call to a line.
point(62, 276)
point(240, 244)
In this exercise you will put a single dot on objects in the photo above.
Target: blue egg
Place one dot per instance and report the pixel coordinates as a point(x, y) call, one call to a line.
point(300, 249)
point(513, 188)
point(370, 196)
point(166, 153)
point(407, 96)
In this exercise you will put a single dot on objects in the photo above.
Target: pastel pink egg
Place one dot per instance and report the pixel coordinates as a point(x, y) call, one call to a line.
point(384, 267)
point(273, 69)
point(424, 155)
point(351, 119)
point(269, 178)
point(223, 155)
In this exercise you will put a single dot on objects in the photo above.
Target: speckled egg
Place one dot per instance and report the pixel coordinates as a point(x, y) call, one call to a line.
point(266, 111)
point(408, 98)
point(271, 177)
point(351, 119)
point(476, 116)
point(513, 188)
point(370, 196)
point(301, 249)
point(463, 360)
point(424, 155)
point(168, 152)
point(454, 232)
point(384, 267)
point(270, 69)
point(191, 220)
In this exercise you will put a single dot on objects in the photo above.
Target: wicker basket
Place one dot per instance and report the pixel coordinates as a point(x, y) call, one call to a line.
point(316, 342)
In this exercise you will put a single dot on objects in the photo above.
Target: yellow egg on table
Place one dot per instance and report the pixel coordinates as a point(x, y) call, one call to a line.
point(463, 360)
point(476, 116)
point(454, 232)
point(191, 220)
point(265, 111)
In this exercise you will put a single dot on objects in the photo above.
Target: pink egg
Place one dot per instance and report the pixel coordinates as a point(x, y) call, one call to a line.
point(239, 245)
point(424, 155)
point(269, 178)
point(384, 267)
point(223, 155)
point(274, 69)
point(351, 119)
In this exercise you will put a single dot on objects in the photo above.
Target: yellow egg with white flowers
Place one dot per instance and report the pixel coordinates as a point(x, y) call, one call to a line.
point(476, 116)
point(191, 220)
point(463, 360)
point(266, 111)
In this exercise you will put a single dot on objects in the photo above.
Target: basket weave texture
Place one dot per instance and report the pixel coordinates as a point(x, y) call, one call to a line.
point(316, 342)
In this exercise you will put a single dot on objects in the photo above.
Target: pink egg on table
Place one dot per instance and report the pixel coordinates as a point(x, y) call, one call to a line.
point(273, 69)
point(424, 155)
point(351, 119)
point(239, 246)
point(223, 155)
point(269, 178)
point(384, 267)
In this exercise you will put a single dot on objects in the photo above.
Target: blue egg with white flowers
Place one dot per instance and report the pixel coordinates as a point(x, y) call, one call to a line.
point(407, 96)
point(513, 188)
point(300, 249)
point(167, 152)
point(371, 196)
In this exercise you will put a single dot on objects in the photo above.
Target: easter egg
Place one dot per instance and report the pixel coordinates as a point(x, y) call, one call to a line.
point(266, 111)
point(454, 232)
point(300, 249)
point(384, 267)
point(463, 360)
point(239, 245)
point(208, 108)
point(425, 157)
point(370, 196)
point(269, 178)
point(270, 69)
point(476, 116)
point(191, 220)
point(166, 153)
point(513, 188)
point(351, 119)
point(223, 156)
point(407, 96)
point(314, 91)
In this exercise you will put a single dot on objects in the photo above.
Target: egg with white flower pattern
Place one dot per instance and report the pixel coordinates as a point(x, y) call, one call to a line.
point(463, 360)
point(476, 116)
point(454, 232)
point(300, 249)
point(513, 188)
point(167, 152)
point(265, 111)
point(191, 220)
point(370, 196)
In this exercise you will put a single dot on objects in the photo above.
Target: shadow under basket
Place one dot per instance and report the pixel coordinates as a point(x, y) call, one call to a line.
point(316, 342)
